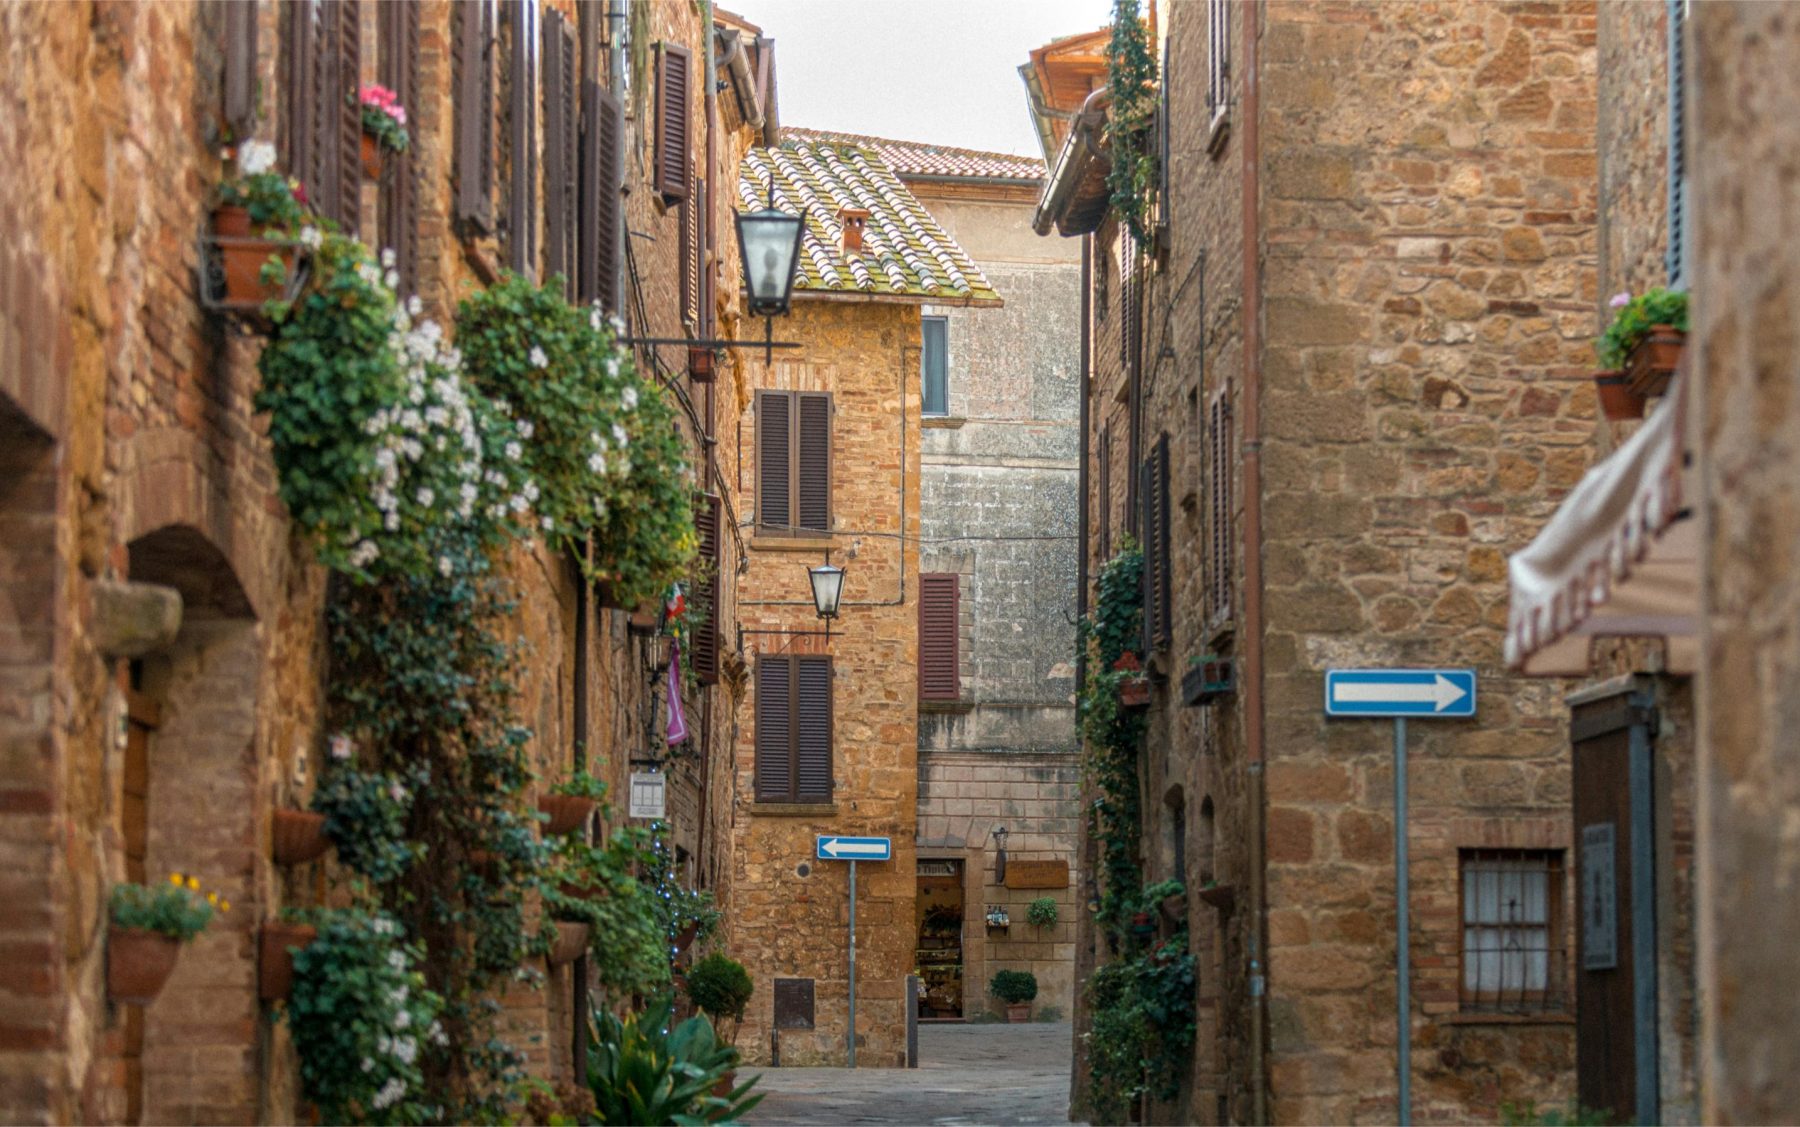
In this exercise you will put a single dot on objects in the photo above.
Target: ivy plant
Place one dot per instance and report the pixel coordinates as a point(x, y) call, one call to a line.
point(1131, 79)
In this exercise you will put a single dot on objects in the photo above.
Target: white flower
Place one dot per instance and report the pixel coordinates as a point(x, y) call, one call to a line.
point(402, 1019)
point(597, 462)
point(256, 157)
point(547, 523)
point(390, 522)
point(311, 237)
point(599, 508)
point(390, 1093)
point(341, 746)
point(396, 792)
point(397, 960)
point(368, 1065)
point(438, 1036)
point(530, 490)
point(594, 318)
point(364, 553)
point(414, 306)
point(444, 566)
point(514, 451)
point(620, 436)
point(388, 258)
point(391, 279)
point(526, 429)
point(630, 395)
point(424, 496)
point(538, 359)
point(468, 492)
point(519, 504)
point(370, 273)
point(406, 1048)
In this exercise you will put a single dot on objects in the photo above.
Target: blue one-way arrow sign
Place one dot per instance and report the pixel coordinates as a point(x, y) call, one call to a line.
point(835, 848)
point(1441, 693)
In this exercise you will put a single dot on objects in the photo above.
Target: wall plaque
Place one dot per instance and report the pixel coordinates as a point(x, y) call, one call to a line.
point(793, 1003)
point(1037, 874)
point(1599, 899)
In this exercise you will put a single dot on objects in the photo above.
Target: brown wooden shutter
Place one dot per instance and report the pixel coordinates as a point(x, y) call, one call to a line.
point(774, 728)
point(560, 180)
point(1105, 498)
point(813, 465)
point(336, 188)
point(399, 189)
point(602, 176)
point(471, 49)
point(1218, 505)
point(674, 164)
point(302, 96)
point(939, 601)
point(774, 460)
point(522, 186)
point(1155, 493)
point(704, 660)
point(813, 729)
point(240, 69)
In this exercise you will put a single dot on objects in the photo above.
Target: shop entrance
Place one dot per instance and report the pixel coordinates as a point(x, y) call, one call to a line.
point(938, 911)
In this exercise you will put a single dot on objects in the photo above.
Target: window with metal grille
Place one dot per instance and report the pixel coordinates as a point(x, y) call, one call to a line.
point(934, 365)
point(793, 728)
point(793, 463)
point(939, 654)
point(1514, 958)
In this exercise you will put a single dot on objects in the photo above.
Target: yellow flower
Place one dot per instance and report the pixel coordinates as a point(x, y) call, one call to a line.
point(213, 899)
point(224, 905)
point(194, 883)
point(175, 879)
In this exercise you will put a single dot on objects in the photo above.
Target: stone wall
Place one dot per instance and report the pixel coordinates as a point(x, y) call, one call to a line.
point(789, 911)
point(1745, 78)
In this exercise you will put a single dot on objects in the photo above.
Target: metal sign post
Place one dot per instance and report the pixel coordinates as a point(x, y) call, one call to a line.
point(835, 847)
point(1400, 693)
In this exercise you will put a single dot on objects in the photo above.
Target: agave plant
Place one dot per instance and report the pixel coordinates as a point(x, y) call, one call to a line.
point(644, 1072)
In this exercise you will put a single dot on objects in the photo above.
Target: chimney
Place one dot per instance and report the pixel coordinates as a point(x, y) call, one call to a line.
point(851, 219)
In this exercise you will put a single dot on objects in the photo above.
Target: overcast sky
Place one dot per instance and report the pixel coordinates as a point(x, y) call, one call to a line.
point(941, 71)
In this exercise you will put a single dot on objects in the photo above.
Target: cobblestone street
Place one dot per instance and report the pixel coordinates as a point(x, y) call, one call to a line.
point(967, 1074)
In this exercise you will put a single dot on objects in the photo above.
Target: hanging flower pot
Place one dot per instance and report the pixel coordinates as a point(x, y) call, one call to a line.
point(1653, 360)
point(138, 964)
point(1618, 402)
point(1134, 692)
point(571, 941)
point(1219, 896)
point(275, 957)
point(371, 157)
point(565, 811)
point(645, 619)
point(242, 256)
point(299, 837)
point(1174, 908)
point(685, 937)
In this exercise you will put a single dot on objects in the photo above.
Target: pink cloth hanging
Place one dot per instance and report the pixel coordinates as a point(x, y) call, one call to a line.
point(677, 720)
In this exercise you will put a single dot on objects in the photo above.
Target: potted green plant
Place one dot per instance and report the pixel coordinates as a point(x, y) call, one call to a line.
point(254, 266)
point(720, 987)
point(384, 127)
point(570, 801)
point(1042, 912)
point(1015, 988)
point(149, 923)
point(1644, 340)
point(1134, 687)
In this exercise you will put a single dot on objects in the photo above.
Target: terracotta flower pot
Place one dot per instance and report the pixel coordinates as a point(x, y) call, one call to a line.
point(571, 941)
point(371, 157)
point(685, 937)
point(1134, 692)
point(645, 619)
point(1618, 403)
point(1018, 1012)
point(725, 1085)
point(1220, 896)
point(231, 220)
point(1653, 360)
point(242, 255)
point(299, 837)
point(275, 957)
point(565, 811)
point(138, 964)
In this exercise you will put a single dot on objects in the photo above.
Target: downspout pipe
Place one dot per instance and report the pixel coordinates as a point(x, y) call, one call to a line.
point(1255, 751)
point(617, 15)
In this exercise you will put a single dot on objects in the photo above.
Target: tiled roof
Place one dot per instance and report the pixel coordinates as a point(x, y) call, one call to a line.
point(905, 252)
point(915, 158)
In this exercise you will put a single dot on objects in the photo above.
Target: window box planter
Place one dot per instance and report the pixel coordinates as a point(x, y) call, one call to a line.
point(371, 157)
point(571, 941)
point(1618, 402)
point(565, 811)
point(1219, 896)
point(1653, 360)
point(1134, 692)
point(232, 259)
point(299, 837)
point(138, 964)
point(275, 957)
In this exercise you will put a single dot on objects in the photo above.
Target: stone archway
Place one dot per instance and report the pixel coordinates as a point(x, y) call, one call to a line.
point(197, 774)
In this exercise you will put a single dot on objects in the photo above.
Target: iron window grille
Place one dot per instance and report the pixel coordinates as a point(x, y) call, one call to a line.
point(1514, 956)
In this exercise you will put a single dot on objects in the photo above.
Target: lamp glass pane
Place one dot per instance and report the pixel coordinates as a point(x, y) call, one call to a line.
point(828, 586)
point(771, 243)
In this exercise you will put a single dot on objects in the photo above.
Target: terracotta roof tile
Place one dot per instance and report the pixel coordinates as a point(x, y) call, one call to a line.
point(915, 158)
point(905, 251)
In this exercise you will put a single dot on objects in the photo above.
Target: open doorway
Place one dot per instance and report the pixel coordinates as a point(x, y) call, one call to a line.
point(938, 912)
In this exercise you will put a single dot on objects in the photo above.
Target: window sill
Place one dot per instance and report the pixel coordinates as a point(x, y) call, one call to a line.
point(792, 543)
point(1478, 1018)
point(792, 809)
point(946, 705)
point(941, 422)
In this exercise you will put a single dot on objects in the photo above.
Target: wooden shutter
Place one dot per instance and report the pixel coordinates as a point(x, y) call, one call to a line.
point(560, 180)
point(471, 49)
point(1218, 506)
point(240, 69)
point(1105, 494)
point(302, 92)
point(812, 743)
point(602, 176)
point(813, 465)
point(774, 728)
point(674, 165)
point(522, 184)
point(1155, 494)
point(345, 113)
point(938, 629)
point(774, 461)
point(399, 189)
point(704, 660)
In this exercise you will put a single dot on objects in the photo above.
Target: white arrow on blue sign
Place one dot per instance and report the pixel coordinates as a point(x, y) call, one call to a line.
point(835, 848)
point(1441, 693)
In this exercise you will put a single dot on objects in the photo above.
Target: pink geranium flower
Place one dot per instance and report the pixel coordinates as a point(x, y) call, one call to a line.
point(1620, 300)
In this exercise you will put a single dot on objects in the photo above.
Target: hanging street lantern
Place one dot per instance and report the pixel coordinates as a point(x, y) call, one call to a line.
point(770, 243)
point(827, 588)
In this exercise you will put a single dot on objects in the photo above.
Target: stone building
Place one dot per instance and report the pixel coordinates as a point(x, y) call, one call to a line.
point(162, 657)
point(997, 529)
point(1343, 374)
point(828, 441)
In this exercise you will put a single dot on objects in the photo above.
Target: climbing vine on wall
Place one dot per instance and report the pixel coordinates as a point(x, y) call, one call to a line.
point(1131, 79)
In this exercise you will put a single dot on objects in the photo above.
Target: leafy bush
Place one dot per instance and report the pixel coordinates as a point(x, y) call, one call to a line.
point(606, 892)
point(720, 987)
point(642, 1075)
point(1631, 323)
point(176, 909)
point(1143, 1028)
point(1042, 911)
point(365, 817)
point(1014, 987)
point(581, 785)
point(361, 1017)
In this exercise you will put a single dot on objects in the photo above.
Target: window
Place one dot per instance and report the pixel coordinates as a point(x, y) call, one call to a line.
point(1218, 63)
point(1153, 493)
point(934, 364)
point(793, 463)
point(793, 728)
point(1218, 562)
point(1513, 957)
point(939, 656)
